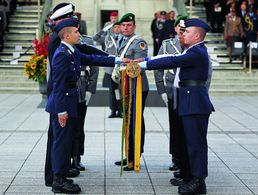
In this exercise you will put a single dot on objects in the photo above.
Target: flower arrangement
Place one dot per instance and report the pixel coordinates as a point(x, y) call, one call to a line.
point(36, 67)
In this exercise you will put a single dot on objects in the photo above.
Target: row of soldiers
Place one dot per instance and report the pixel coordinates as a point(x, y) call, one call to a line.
point(67, 117)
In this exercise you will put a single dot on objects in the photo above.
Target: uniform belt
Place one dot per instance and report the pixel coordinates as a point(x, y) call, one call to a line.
point(192, 83)
point(71, 85)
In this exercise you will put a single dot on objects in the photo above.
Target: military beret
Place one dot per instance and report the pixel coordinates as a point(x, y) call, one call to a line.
point(61, 11)
point(197, 23)
point(70, 22)
point(127, 18)
point(163, 13)
point(179, 17)
point(113, 14)
point(116, 23)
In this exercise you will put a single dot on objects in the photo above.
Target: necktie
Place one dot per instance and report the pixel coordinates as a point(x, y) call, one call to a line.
point(120, 42)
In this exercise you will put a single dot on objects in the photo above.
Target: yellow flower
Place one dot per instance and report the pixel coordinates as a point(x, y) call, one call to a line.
point(25, 65)
point(45, 61)
point(33, 66)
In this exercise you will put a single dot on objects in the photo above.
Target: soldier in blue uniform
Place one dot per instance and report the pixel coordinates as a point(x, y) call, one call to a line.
point(194, 105)
point(63, 99)
point(60, 12)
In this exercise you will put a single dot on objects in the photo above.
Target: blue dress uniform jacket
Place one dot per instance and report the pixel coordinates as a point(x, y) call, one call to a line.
point(194, 65)
point(194, 105)
point(65, 70)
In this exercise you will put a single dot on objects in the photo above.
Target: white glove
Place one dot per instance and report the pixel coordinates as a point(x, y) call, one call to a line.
point(116, 76)
point(106, 28)
point(164, 97)
point(87, 97)
point(143, 65)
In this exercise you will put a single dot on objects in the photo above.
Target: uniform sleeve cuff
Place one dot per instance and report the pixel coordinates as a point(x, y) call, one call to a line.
point(118, 60)
point(61, 113)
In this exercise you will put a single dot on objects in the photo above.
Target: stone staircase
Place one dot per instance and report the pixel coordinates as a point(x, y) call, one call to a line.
point(215, 43)
point(17, 50)
point(228, 79)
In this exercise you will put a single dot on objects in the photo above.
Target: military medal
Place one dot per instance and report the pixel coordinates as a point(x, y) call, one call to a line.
point(133, 69)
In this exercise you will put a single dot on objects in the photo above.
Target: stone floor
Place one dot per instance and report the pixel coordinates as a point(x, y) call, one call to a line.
point(232, 140)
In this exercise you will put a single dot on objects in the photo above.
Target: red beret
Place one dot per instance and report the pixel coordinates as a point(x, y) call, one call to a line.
point(113, 14)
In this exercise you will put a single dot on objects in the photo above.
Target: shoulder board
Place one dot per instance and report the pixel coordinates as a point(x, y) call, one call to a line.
point(139, 39)
point(65, 50)
point(166, 40)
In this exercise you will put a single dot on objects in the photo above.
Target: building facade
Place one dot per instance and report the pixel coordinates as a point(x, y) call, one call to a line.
point(95, 12)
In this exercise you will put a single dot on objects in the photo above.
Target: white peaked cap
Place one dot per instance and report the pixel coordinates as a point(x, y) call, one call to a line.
point(62, 11)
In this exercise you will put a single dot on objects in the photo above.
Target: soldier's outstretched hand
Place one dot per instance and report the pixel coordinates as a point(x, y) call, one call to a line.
point(126, 60)
point(139, 60)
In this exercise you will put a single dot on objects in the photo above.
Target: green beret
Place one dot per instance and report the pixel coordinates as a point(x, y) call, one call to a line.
point(127, 18)
point(179, 17)
point(116, 23)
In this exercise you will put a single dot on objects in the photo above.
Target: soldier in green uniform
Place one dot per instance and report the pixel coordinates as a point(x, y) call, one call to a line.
point(133, 47)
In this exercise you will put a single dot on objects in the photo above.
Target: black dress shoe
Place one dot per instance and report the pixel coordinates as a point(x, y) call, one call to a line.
point(177, 174)
point(177, 182)
point(49, 184)
point(77, 163)
point(173, 167)
point(118, 163)
point(61, 185)
point(112, 114)
point(128, 169)
point(195, 186)
point(120, 115)
point(73, 172)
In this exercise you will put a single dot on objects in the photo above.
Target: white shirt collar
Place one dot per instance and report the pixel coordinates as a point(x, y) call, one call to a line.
point(194, 45)
point(69, 46)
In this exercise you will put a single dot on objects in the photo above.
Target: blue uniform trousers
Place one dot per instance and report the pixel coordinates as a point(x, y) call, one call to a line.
point(62, 145)
point(195, 132)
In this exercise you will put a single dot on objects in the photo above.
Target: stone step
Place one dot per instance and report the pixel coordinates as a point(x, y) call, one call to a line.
point(20, 90)
point(12, 44)
point(24, 15)
point(220, 67)
point(11, 53)
point(22, 20)
point(225, 92)
point(29, 33)
point(11, 50)
point(19, 38)
point(216, 45)
point(18, 84)
point(28, 9)
point(23, 26)
point(214, 38)
point(8, 59)
point(209, 34)
point(233, 86)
